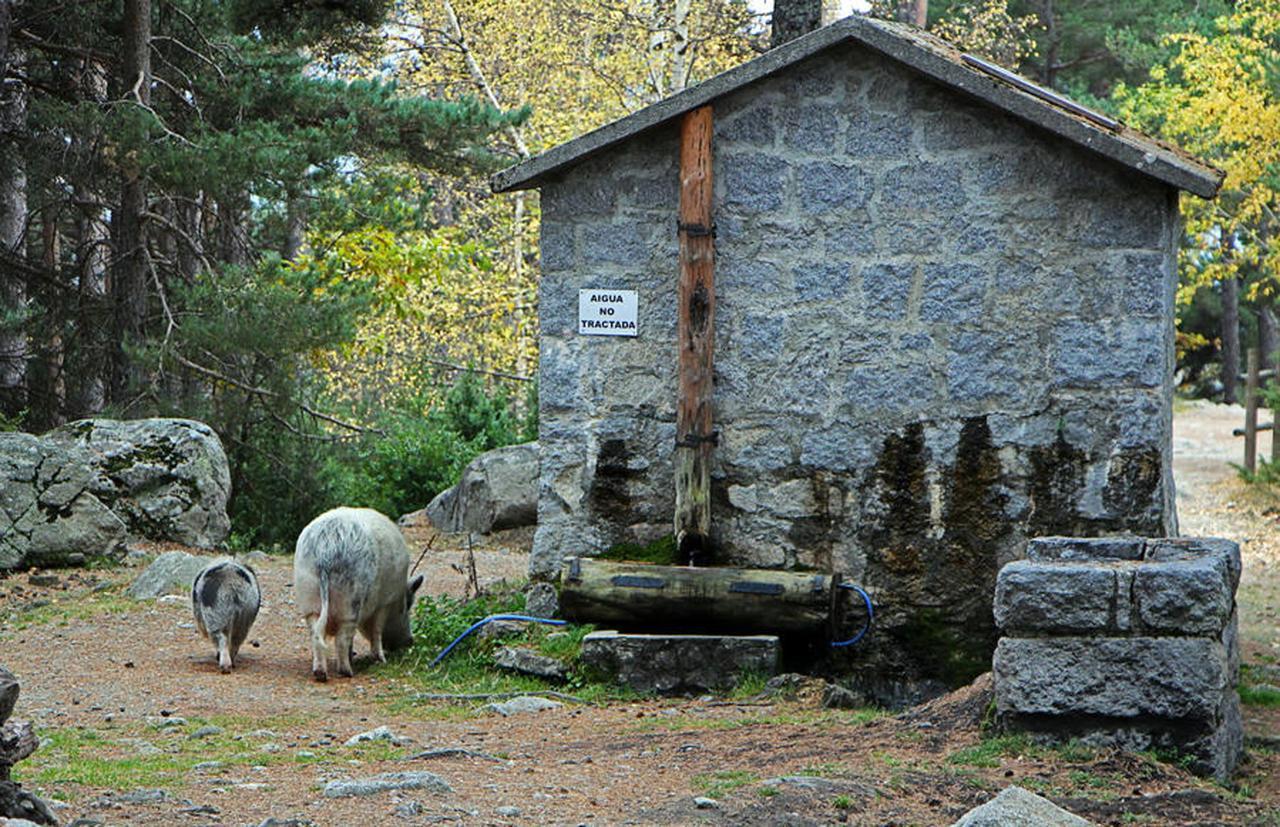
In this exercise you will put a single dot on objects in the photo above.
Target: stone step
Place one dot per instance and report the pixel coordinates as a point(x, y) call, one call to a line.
point(680, 663)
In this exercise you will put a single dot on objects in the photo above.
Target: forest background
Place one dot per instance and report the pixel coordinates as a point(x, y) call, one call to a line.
point(273, 216)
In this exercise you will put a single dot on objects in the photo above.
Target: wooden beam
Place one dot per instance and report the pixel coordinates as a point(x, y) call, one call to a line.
point(695, 337)
point(1251, 412)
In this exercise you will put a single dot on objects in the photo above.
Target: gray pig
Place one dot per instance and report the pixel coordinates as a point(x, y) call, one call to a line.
point(349, 572)
point(225, 599)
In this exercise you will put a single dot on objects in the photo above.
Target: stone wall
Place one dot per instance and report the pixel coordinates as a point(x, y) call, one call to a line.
point(1123, 642)
point(939, 332)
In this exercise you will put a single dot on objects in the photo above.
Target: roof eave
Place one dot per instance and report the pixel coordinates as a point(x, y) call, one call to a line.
point(1126, 147)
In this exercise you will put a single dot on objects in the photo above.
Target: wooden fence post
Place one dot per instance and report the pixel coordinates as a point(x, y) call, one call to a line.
point(1275, 414)
point(1251, 412)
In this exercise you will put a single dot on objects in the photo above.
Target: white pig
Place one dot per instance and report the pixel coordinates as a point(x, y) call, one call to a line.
point(225, 599)
point(349, 572)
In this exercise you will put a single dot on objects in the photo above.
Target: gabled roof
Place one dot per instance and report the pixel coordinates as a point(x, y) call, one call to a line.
point(926, 54)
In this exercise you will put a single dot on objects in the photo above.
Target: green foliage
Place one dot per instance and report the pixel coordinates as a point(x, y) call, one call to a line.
point(988, 752)
point(419, 454)
point(723, 782)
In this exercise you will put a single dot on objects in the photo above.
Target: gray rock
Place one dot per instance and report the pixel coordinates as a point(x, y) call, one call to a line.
point(507, 812)
point(1185, 597)
point(409, 809)
point(9, 690)
point(78, 492)
point(168, 479)
point(542, 600)
point(414, 780)
point(528, 662)
point(142, 796)
point(272, 821)
point(171, 573)
point(1015, 805)
point(498, 490)
point(835, 696)
point(704, 803)
point(382, 733)
point(1166, 677)
point(522, 705)
point(206, 731)
point(497, 629)
point(677, 663)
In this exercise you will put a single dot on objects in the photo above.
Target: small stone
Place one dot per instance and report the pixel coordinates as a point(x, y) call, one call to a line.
point(409, 809)
point(45, 581)
point(521, 705)
point(507, 812)
point(416, 780)
point(205, 766)
point(382, 733)
point(206, 731)
point(1015, 805)
point(542, 600)
point(270, 748)
point(528, 662)
point(143, 796)
point(704, 803)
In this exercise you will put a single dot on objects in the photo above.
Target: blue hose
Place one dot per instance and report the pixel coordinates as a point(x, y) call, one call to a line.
point(489, 619)
point(870, 614)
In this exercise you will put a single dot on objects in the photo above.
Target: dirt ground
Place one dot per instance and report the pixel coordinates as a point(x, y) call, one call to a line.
point(125, 695)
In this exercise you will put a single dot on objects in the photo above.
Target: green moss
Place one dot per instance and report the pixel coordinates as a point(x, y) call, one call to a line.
point(661, 552)
point(952, 654)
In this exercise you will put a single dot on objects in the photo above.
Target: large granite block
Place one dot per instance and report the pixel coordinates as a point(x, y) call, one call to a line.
point(1055, 598)
point(678, 663)
point(1168, 677)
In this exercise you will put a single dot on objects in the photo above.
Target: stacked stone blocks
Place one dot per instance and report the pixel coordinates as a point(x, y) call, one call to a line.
point(1124, 642)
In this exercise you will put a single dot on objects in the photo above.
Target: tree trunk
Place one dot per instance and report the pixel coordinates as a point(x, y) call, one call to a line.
point(920, 13)
point(47, 391)
point(677, 598)
point(680, 63)
point(129, 280)
point(792, 18)
point(1230, 338)
point(91, 348)
point(1267, 343)
point(295, 227)
point(13, 226)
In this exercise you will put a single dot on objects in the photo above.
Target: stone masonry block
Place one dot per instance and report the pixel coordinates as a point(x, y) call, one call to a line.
point(953, 293)
point(1186, 597)
point(1100, 549)
point(1190, 548)
point(1166, 677)
point(676, 663)
point(1107, 353)
point(811, 128)
point(753, 183)
point(1054, 598)
point(885, 288)
point(825, 186)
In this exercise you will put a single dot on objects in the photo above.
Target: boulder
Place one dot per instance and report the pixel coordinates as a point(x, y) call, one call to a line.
point(168, 479)
point(8, 694)
point(1015, 805)
point(81, 490)
point(171, 573)
point(498, 490)
point(528, 662)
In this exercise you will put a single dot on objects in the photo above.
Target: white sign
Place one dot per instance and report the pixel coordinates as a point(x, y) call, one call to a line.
point(607, 312)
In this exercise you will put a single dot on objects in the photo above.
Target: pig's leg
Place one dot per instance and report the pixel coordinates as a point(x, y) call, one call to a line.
point(319, 657)
point(372, 630)
point(342, 643)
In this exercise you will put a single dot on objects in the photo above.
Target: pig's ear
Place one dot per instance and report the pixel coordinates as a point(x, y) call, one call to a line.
point(414, 585)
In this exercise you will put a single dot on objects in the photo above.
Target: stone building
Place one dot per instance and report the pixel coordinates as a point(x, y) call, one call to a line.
point(944, 324)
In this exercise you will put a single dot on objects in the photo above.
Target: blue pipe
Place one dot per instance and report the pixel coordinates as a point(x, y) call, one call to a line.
point(870, 614)
point(490, 619)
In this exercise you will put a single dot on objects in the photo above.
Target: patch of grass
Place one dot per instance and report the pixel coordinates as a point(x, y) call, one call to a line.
point(767, 792)
point(721, 783)
point(1259, 695)
point(988, 752)
point(827, 769)
point(118, 758)
point(1074, 752)
point(1085, 779)
point(842, 802)
point(68, 607)
point(750, 685)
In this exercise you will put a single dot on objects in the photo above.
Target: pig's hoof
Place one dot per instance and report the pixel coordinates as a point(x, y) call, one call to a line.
point(320, 675)
point(346, 673)
point(226, 669)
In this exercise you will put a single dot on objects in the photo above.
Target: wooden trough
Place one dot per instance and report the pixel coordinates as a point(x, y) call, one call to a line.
point(644, 596)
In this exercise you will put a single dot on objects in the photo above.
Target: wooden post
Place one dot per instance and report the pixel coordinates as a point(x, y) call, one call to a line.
point(695, 337)
point(1275, 415)
point(1251, 412)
